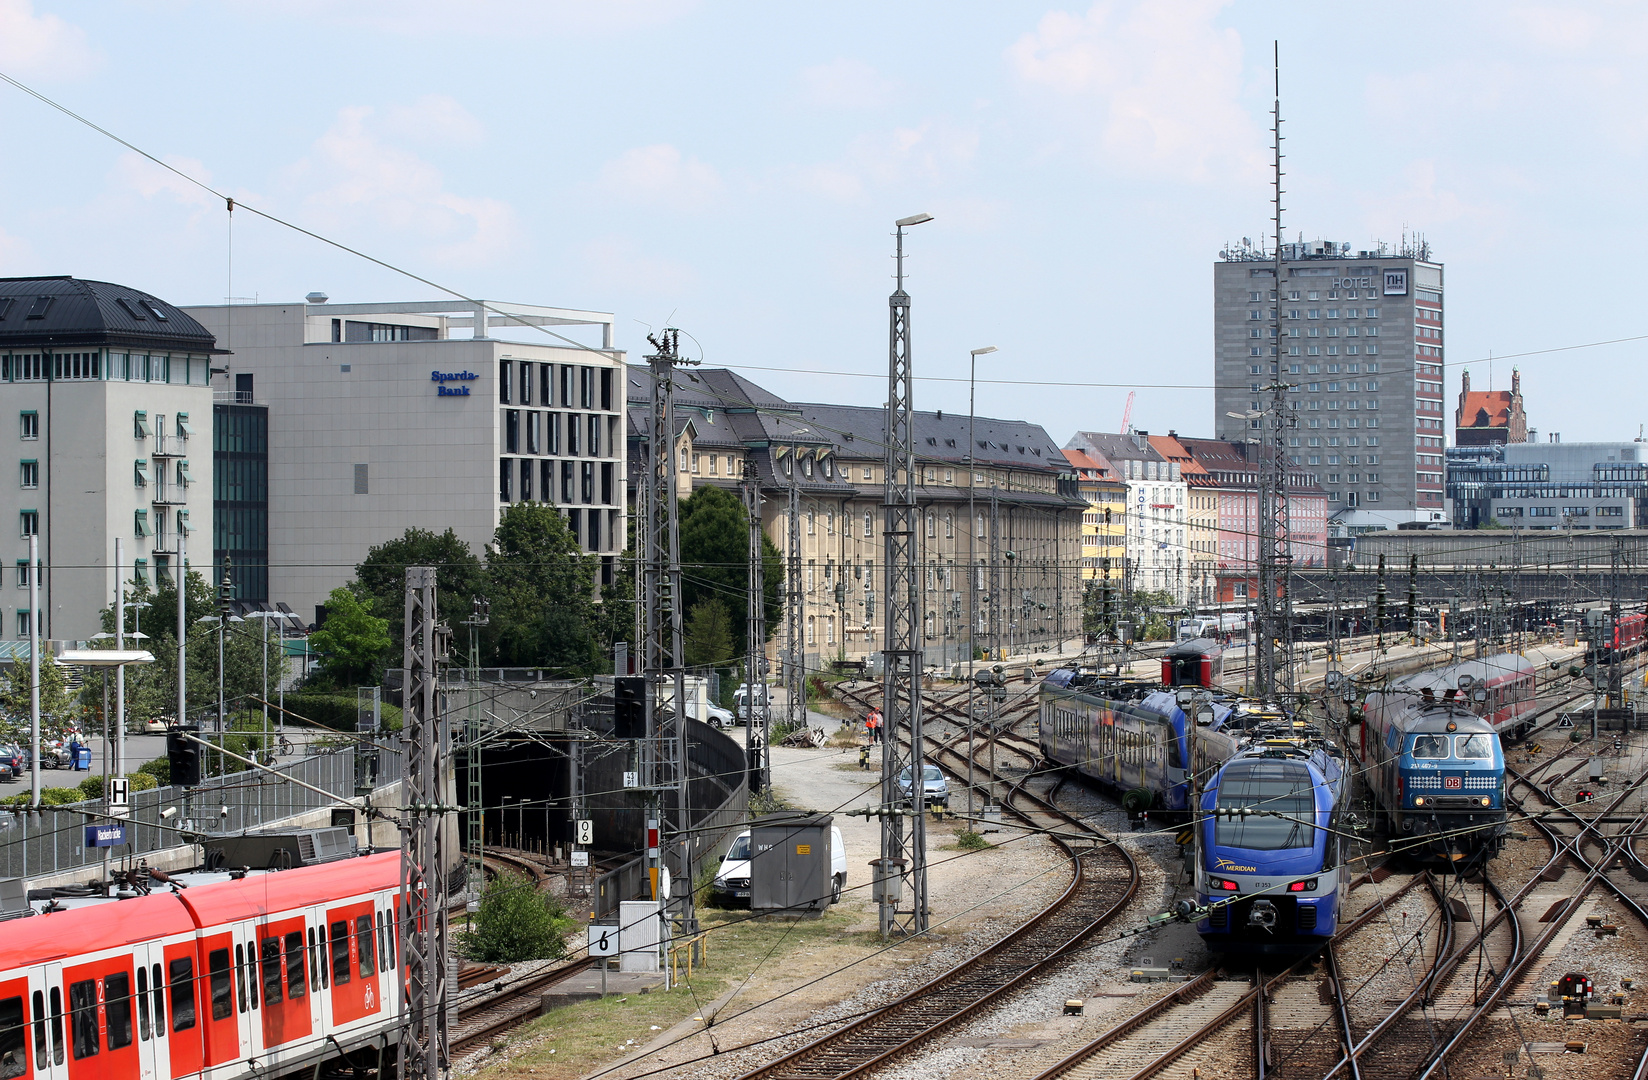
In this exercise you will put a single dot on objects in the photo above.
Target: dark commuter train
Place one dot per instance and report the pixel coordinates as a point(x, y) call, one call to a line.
point(1267, 853)
point(1435, 768)
point(1134, 738)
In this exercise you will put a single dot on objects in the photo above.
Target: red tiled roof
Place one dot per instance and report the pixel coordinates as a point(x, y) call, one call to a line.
point(1486, 408)
point(1086, 462)
point(1170, 448)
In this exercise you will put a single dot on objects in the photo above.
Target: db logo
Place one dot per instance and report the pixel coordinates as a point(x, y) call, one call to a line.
point(1452, 782)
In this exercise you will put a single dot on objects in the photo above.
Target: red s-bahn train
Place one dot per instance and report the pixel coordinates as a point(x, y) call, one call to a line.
point(237, 975)
point(1625, 641)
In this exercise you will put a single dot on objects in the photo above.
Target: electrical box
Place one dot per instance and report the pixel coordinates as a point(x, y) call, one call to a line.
point(790, 863)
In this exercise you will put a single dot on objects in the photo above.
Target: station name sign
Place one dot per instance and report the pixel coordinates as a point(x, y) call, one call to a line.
point(105, 836)
point(444, 377)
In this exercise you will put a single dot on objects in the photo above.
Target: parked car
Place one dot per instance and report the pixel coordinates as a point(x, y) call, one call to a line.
point(935, 790)
point(11, 762)
point(732, 879)
point(155, 725)
point(717, 717)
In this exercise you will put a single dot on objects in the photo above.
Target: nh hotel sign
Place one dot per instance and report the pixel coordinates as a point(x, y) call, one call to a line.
point(443, 377)
point(1396, 282)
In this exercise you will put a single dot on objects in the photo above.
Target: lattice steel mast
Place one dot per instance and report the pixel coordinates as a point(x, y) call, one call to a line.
point(755, 639)
point(424, 1049)
point(664, 752)
point(1274, 668)
point(795, 687)
point(902, 854)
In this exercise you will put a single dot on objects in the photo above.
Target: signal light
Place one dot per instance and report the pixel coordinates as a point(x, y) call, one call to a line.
point(183, 755)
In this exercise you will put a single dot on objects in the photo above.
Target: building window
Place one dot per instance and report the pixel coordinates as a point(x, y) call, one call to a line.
point(695, 460)
point(812, 630)
point(140, 572)
point(29, 425)
point(140, 425)
point(29, 522)
point(829, 629)
point(23, 629)
point(505, 380)
point(533, 445)
point(810, 528)
point(713, 464)
point(506, 474)
point(29, 474)
point(932, 524)
point(526, 480)
point(595, 438)
point(869, 524)
point(140, 524)
point(949, 526)
point(22, 573)
point(512, 431)
point(829, 523)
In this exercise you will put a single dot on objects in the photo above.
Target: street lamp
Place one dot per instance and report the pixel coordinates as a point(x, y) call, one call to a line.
point(972, 560)
point(218, 621)
point(263, 618)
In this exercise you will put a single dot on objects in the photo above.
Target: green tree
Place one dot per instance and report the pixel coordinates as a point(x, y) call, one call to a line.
point(541, 585)
point(517, 921)
point(459, 577)
point(708, 639)
point(353, 642)
point(715, 556)
point(58, 708)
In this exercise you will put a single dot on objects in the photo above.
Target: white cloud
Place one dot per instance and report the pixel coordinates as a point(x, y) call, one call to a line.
point(41, 45)
point(17, 256)
point(478, 18)
point(435, 117)
point(661, 175)
point(846, 84)
point(1161, 79)
point(137, 173)
point(614, 263)
point(929, 153)
point(353, 174)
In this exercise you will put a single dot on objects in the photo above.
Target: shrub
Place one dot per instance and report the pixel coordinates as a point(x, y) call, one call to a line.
point(971, 841)
point(91, 787)
point(516, 921)
point(142, 781)
point(160, 768)
point(336, 711)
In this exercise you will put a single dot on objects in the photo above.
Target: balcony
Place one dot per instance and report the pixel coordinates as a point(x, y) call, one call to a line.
point(170, 495)
point(170, 446)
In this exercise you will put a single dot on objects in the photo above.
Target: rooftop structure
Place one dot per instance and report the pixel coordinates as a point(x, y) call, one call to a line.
point(1490, 416)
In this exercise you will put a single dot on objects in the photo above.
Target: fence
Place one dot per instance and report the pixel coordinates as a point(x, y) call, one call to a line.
point(54, 841)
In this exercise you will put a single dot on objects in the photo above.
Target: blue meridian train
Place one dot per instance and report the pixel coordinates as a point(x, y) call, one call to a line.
point(1267, 844)
point(1134, 739)
point(1436, 769)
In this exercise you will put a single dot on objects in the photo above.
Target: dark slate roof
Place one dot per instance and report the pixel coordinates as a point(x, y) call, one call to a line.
point(1117, 447)
point(861, 431)
point(715, 388)
point(81, 312)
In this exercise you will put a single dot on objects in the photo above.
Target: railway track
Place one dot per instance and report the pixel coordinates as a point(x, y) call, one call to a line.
point(1103, 881)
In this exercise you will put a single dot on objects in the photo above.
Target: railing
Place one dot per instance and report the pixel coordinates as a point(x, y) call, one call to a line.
point(234, 397)
point(170, 446)
point(55, 841)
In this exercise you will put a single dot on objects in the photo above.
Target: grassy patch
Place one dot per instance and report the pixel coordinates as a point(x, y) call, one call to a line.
point(967, 840)
point(588, 1035)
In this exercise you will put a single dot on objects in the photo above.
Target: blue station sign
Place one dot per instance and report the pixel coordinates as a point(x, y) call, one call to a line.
point(105, 836)
point(441, 378)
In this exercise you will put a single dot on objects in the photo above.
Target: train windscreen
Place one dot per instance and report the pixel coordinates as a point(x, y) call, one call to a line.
point(1283, 795)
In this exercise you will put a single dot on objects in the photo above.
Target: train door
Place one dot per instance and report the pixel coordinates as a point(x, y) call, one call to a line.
point(284, 981)
point(102, 1022)
point(154, 1049)
point(173, 988)
point(219, 1023)
point(248, 1001)
point(356, 991)
point(48, 1044)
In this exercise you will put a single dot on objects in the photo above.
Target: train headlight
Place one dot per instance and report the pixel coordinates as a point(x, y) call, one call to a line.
point(1303, 886)
point(1486, 801)
point(1221, 884)
point(1419, 800)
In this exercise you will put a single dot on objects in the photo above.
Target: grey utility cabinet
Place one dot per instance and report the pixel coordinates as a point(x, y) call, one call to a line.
point(790, 867)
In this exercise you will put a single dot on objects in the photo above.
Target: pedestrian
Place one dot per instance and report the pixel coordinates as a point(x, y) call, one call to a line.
point(74, 753)
point(873, 722)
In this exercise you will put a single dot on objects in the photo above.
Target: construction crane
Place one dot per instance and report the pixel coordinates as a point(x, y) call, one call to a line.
point(1127, 413)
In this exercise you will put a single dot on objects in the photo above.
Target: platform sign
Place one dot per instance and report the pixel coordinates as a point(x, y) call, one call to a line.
point(603, 941)
point(105, 836)
point(580, 858)
point(119, 796)
point(585, 832)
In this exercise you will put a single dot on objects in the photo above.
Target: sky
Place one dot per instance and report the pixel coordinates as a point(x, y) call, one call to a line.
point(734, 169)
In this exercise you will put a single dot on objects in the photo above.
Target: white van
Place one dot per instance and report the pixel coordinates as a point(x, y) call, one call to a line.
point(732, 880)
point(741, 702)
